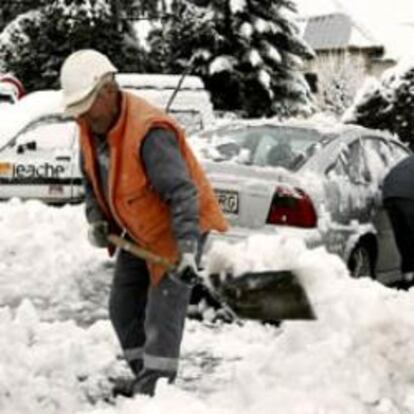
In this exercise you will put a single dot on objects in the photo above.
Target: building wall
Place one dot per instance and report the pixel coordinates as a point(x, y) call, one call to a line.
point(338, 59)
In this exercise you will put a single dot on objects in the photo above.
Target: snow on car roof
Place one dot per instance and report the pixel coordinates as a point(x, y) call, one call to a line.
point(324, 126)
point(32, 106)
point(157, 81)
point(189, 100)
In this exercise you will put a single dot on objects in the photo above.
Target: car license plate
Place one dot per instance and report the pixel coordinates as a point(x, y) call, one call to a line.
point(228, 200)
point(55, 189)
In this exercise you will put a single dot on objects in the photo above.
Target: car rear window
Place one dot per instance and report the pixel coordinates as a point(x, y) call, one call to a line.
point(287, 147)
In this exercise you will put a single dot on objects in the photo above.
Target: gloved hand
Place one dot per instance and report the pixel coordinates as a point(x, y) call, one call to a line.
point(186, 269)
point(98, 234)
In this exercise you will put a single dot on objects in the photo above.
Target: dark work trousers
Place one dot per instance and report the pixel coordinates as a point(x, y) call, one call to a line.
point(401, 214)
point(148, 320)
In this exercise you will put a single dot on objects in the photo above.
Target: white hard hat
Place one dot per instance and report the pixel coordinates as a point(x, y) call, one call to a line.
point(80, 75)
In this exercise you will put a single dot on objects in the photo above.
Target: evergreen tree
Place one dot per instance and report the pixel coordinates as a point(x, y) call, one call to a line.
point(34, 45)
point(10, 9)
point(247, 51)
point(339, 78)
point(387, 104)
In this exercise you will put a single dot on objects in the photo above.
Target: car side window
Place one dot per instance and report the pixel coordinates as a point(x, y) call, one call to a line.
point(48, 135)
point(351, 162)
point(377, 156)
point(358, 168)
point(339, 168)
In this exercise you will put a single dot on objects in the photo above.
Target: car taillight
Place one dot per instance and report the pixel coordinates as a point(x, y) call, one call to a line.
point(292, 207)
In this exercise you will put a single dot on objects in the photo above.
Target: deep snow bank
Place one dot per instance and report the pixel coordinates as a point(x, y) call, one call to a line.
point(45, 256)
point(354, 359)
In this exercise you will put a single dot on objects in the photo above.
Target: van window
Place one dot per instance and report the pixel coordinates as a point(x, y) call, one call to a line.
point(49, 135)
point(191, 106)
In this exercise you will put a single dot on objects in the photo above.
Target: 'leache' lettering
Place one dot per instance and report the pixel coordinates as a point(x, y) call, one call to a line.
point(45, 170)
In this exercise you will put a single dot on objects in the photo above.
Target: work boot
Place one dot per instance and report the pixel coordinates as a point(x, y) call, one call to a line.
point(146, 381)
point(123, 386)
point(407, 280)
point(408, 277)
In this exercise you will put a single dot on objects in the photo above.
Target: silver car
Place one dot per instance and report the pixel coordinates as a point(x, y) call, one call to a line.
point(319, 183)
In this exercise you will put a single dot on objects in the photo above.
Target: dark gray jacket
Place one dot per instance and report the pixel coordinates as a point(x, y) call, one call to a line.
point(168, 175)
point(399, 182)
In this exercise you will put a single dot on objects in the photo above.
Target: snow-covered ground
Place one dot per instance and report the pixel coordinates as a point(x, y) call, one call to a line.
point(57, 348)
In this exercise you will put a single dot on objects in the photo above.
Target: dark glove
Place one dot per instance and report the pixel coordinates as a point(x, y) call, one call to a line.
point(98, 234)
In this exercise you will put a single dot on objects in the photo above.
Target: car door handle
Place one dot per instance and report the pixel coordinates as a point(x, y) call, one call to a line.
point(63, 158)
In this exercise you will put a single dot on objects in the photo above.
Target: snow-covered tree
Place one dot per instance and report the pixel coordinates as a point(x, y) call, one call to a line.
point(387, 104)
point(339, 79)
point(10, 9)
point(35, 44)
point(248, 52)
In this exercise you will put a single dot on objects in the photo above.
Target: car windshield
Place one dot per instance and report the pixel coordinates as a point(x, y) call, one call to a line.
point(275, 146)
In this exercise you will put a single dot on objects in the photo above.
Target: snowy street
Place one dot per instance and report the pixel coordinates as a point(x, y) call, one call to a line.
point(57, 349)
point(55, 335)
point(260, 149)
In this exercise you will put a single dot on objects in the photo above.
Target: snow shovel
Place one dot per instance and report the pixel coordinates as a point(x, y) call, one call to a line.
point(269, 296)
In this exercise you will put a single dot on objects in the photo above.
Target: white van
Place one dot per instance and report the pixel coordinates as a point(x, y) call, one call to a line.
point(39, 148)
point(39, 152)
point(191, 104)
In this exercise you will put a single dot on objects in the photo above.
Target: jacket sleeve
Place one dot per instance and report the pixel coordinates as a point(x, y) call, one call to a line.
point(92, 210)
point(169, 176)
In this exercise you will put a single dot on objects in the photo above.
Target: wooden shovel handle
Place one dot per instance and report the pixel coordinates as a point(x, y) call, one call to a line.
point(140, 252)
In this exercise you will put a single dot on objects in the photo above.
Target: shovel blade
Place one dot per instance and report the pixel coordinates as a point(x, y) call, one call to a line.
point(270, 296)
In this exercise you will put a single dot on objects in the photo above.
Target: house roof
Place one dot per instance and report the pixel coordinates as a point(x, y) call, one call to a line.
point(336, 31)
point(392, 27)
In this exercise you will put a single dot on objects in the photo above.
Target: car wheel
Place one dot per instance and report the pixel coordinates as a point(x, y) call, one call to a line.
point(360, 261)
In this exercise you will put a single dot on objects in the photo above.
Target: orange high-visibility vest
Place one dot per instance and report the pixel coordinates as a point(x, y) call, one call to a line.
point(133, 204)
